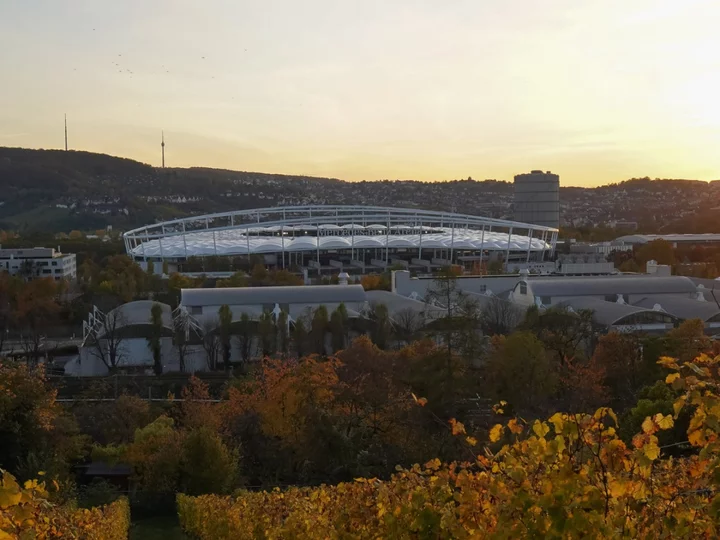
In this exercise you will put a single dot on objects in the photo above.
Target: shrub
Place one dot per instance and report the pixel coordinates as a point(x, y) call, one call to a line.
point(26, 512)
point(571, 476)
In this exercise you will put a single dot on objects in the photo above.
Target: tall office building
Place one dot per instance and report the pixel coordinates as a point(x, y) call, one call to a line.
point(537, 198)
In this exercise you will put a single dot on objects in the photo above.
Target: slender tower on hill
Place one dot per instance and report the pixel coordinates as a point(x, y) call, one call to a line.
point(66, 132)
point(162, 146)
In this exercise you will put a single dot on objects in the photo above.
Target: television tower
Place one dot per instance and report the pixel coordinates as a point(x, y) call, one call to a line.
point(66, 132)
point(162, 145)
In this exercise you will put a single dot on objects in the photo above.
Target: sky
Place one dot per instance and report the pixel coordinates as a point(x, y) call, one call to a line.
point(597, 91)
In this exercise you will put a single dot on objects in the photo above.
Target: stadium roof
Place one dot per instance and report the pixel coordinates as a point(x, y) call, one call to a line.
point(318, 228)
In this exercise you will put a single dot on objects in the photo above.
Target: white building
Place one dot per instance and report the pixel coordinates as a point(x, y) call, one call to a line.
point(39, 262)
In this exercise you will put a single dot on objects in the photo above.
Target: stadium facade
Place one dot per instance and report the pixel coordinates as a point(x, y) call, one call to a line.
point(315, 236)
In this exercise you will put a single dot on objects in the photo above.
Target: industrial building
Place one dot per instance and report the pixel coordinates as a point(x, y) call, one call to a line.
point(39, 262)
point(675, 239)
point(336, 237)
point(537, 198)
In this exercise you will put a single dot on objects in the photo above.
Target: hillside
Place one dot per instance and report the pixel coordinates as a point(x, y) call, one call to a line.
point(53, 190)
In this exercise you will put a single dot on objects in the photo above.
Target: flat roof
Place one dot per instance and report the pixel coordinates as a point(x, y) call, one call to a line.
point(645, 238)
point(605, 285)
point(292, 294)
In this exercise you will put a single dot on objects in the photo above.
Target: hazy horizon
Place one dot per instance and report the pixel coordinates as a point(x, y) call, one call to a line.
point(597, 93)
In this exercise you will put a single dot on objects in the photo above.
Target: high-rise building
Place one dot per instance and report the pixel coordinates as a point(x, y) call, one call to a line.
point(537, 198)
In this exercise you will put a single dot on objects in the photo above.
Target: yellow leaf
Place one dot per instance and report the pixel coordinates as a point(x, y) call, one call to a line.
point(670, 378)
point(668, 361)
point(540, 428)
point(514, 426)
point(648, 426)
point(9, 497)
point(696, 437)
point(664, 422)
point(557, 421)
point(678, 405)
point(496, 432)
point(652, 451)
point(618, 488)
point(433, 464)
point(472, 441)
point(422, 401)
point(457, 427)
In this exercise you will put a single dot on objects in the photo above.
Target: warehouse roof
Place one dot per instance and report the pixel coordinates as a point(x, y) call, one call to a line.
point(680, 306)
point(645, 238)
point(299, 294)
point(609, 313)
point(606, 285)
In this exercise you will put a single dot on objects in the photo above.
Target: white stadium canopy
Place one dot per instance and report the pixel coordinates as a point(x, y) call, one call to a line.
point(333, 228)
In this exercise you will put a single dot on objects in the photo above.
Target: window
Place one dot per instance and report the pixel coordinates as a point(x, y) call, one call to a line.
point(546, 300)
point(54, 263)
point(523, 287)
point(483, 289)
point(195, 310)
point(46, 271)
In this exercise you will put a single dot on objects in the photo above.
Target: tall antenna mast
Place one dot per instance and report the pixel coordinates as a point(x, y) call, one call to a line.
point(66, 132)
point(162, 145)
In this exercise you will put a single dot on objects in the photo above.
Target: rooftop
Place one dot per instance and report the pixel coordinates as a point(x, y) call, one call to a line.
point(300, 294)
point(607, 285)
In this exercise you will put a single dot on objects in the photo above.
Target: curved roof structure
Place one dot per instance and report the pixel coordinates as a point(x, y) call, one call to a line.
point(324, 228)
point(612, 313)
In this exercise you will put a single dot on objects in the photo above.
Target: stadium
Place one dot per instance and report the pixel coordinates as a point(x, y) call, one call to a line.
point(336, 236)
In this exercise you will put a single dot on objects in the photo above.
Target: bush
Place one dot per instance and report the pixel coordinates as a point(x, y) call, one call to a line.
point(26, 512)
point(571, 476)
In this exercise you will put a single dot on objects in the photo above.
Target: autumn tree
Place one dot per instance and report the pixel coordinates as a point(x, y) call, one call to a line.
point(225, 333)
point(211, 343)
point(267, 334)
point(27, 413)
point(407, 324)
point(520, 372)
point(565, 334)
point(499, 317)
point(688, 340)
point(245, 337)
point(620, 357)
point(459, 328)
point(318, 329)
point(155, 337)
point(206, 465)
point(35, 311)
point(106, 341)
point(283, 334)
point(380, 325)
point(660, 251)
point(339, 321)
point(300, 337)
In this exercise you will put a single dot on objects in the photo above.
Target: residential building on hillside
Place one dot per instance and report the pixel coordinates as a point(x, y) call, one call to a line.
point(39, 262)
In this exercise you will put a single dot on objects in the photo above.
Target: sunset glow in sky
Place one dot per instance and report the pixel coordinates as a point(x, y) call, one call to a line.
point(597, 91)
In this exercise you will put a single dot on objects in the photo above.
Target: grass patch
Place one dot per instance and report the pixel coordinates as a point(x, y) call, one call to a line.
point(166, 528)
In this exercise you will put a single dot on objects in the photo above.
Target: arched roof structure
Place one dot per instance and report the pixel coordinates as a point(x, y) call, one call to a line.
point(328, 228)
